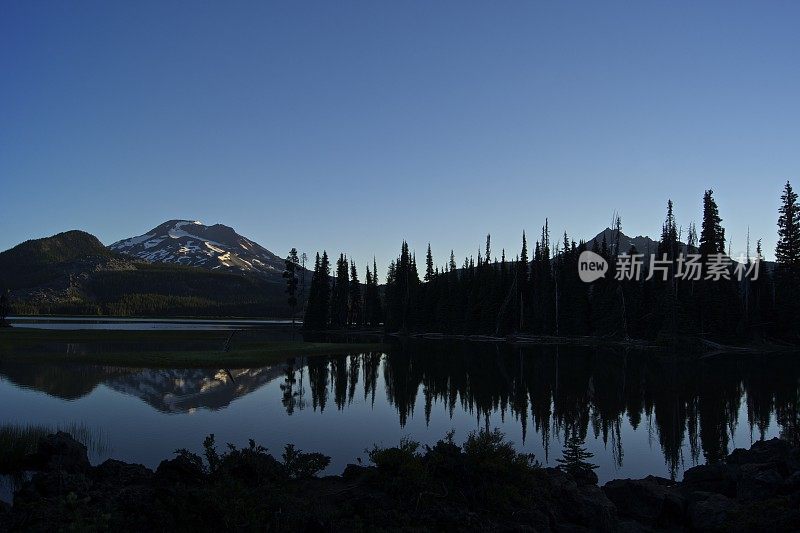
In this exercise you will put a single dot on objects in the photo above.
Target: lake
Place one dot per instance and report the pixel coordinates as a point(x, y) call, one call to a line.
point(640, 412)
point(139, 324)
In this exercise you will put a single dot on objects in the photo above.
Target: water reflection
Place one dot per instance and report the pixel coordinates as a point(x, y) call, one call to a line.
point(166, 390)
point(557, 390)
point(691, 409)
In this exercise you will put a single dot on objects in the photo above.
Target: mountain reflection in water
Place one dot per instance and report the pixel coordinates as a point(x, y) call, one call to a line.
point(685, 405)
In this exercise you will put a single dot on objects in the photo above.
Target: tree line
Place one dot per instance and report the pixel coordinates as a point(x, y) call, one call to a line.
point(540, 292)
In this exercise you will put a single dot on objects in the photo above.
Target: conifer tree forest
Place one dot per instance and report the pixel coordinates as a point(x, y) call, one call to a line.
point(542, 294)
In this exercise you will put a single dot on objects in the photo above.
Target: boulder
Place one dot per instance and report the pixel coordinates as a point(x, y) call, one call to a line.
point(652, 501)
point(585, 476)
point(180, 470)
point(759, 481)
point(353, 472)
point(577, 504)
point(60, 452)
point(121, 474)
point(632, 526)
point(5, 515)
point(595, 510)
point(709, 512)
point(720, 478)
point(763, 451)
point(50, 483)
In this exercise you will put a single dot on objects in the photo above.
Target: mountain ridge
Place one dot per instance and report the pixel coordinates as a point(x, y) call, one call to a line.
point(192, 243)
point(73, 273)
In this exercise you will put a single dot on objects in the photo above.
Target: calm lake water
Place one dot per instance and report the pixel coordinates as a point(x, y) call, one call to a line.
point(641, 413)
point(139, 324)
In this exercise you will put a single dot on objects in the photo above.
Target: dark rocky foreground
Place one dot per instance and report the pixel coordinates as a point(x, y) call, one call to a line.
point(482, 485)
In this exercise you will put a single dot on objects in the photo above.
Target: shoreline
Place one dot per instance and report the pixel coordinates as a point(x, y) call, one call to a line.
point(480, 485)
point(167, 348)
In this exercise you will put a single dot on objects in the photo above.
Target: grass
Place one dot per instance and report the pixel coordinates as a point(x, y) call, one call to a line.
point(17, 441)
point(160, 348)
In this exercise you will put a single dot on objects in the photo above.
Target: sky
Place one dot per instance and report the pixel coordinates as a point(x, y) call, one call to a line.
point(350, 126)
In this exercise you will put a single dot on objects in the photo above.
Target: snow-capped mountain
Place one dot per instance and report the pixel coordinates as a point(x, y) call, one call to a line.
point(189, 243)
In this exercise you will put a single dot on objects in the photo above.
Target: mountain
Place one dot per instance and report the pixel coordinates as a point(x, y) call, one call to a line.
point(169, 391)
point(188, 243)
point(52, 261)
point(73, 273)
point(643, 244)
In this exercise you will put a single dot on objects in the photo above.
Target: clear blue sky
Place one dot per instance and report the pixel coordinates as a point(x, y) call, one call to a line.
point(352, 125)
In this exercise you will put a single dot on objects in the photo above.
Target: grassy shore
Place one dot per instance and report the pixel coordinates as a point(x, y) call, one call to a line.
point(160, 348)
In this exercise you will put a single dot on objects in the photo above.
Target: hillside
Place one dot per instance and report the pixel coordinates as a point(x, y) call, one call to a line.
point(73, 272)
point(188, 243)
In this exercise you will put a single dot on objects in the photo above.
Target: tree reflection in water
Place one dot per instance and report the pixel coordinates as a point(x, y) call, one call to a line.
point(560, 391)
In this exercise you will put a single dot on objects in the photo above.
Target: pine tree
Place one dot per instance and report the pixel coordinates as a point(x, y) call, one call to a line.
point(290, 275)
point(319, 295)
point(787, 250)
point(428, 265)
point(522, 283)
point(375, 301)
point(341, 293)
point(356, 303)
point(712, 236)
point(575, 459)
point(787, 255)
point(669, 236)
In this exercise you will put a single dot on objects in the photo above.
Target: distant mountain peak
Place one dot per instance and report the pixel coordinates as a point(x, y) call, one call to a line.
point(192, 243)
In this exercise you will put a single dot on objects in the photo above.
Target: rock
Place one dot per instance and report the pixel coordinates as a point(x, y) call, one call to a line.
point(53, 483)
point(720, 478)
point(583, 505)
point(759, 482)
point(353, 472)
point(585, 477)
point(710, 513)
point(119, 473)
point(763, 451)
point(652, 501)
point(595, 510)
point(60, 452)
point(5, 515)
point(792, 483)
point(632, 526)
point(180, 470)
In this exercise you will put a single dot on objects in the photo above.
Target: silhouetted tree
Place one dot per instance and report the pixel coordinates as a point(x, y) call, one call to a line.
point(290, 275)
point(356, 306)
point(575, 457)
point(341, 293)
point(319, 296)
point(787, 256)
point(712, 236)
point(428, 265)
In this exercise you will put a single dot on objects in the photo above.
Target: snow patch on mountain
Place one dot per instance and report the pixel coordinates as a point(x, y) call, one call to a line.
point(192, 243)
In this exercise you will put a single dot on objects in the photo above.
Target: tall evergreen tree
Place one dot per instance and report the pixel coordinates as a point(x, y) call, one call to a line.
point(712, 235)
point(576, 458)
point(787, 255)
point(668, 245)
point(356, 302)
point(341, 293)
point(290, 275)
point(317, 309)
point(428, 265)
point(787, 250)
